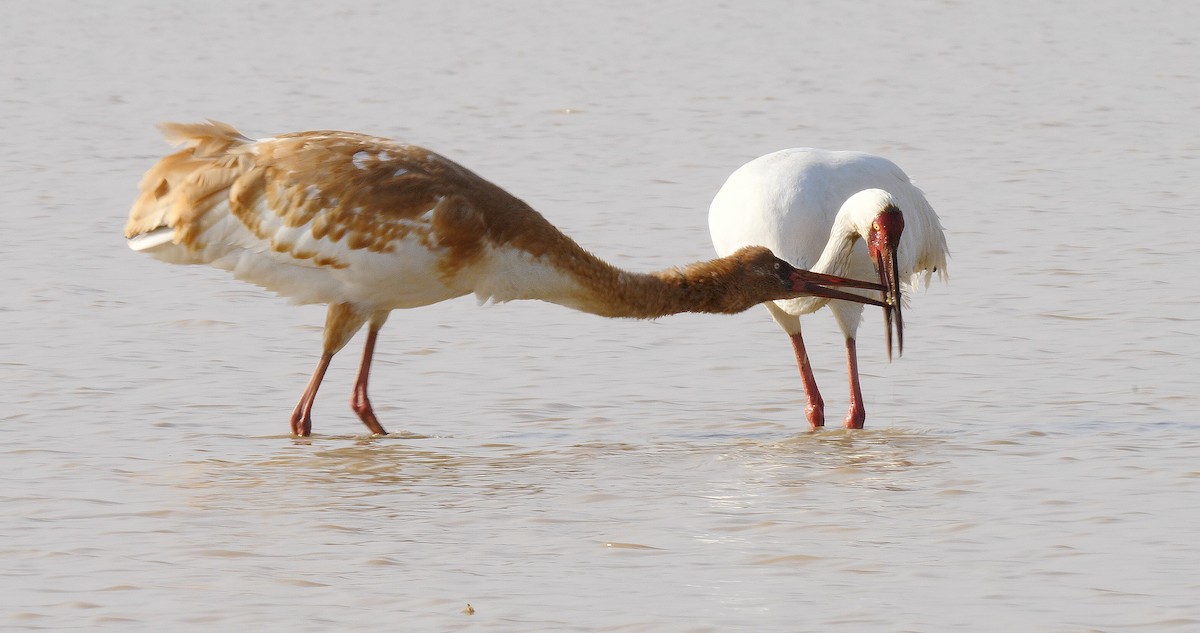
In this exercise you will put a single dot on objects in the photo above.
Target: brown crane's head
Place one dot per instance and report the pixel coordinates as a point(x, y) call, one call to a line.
point(767, 277)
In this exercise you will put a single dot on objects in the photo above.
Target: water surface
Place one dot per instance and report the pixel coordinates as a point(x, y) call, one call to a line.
point(1029, 464)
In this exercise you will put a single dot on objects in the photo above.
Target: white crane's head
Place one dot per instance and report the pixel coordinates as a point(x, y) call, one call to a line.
point(880, 222)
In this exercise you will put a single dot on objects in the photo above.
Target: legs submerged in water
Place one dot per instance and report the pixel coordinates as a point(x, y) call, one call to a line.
point(341, 323)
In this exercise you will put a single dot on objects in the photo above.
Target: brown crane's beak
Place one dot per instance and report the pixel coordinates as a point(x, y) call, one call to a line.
point(819, 285)
point(882, 244)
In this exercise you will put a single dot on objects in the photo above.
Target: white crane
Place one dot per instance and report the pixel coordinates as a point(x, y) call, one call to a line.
point(849, 214)
point(368, 225)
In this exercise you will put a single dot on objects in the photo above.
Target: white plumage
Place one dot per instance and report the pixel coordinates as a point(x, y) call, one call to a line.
point(820, 210)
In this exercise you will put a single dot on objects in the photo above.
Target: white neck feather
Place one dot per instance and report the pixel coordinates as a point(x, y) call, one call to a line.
point(853, 222)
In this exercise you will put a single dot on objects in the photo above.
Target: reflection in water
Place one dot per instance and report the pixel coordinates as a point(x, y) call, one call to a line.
point(351, 468)
point(722, 519)
point(887, 458)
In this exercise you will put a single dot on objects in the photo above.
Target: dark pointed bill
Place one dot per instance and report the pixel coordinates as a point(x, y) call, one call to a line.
point(889, 278)
point(818, 285)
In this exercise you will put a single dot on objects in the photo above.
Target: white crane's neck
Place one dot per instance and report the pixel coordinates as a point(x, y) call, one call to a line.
point(835, 259)
point(853, 221)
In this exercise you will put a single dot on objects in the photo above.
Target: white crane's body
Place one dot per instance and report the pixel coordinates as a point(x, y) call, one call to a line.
point(815, 208)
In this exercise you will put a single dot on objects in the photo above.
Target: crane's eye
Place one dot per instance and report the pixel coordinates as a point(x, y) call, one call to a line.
point(875, 226)
point(778, 266)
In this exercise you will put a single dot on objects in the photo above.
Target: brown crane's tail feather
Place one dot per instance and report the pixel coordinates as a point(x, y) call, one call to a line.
point(205, 139)
point(176, 192)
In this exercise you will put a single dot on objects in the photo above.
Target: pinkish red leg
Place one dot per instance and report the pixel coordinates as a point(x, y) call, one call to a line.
point(302, 415)
point(857, 414)
point(815, 410)
point(358, 400)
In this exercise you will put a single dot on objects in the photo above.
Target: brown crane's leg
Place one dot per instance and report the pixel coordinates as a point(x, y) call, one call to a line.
point(815, 410)
point(302, 414)
point(341, 322)
point(857, 415)
point(358, 400)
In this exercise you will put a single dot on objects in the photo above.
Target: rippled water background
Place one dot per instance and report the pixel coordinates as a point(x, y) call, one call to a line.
point(1029, 464)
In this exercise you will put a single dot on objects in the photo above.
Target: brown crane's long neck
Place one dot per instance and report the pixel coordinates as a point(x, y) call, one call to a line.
point(529, 258)
point(708, 287)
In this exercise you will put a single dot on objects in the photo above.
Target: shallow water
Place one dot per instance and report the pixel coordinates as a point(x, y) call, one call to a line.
point(1029, 464)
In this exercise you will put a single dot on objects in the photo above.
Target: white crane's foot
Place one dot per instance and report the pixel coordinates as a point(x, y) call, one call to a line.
point(815, 412)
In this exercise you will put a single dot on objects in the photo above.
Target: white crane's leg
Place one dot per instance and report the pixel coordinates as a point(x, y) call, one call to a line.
point(341, 323)
point(815, 409)
point(857, 415)
point(358, 400)
point(848, 316)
